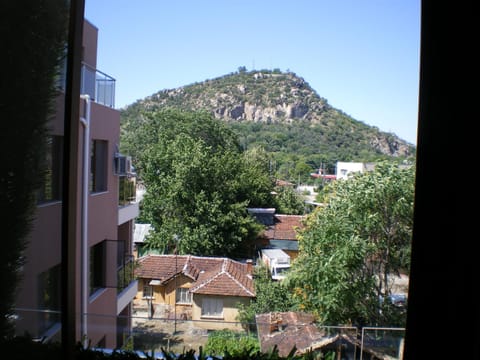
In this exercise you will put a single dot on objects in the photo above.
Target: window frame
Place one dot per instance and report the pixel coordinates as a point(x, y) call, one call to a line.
point(97, 267)
point(209, 303)
point(183, 296)
point(98, 166)
point(147, 292)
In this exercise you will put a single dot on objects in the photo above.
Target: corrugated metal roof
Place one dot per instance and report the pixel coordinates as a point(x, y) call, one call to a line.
point(140, 231)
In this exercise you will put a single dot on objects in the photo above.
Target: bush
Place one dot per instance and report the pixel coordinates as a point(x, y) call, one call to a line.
point(224, 342)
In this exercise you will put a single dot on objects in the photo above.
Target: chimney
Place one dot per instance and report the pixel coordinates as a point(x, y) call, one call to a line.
point(250, 266)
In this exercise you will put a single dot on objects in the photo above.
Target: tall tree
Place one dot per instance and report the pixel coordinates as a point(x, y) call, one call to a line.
point(270, 296)
point(33, 36)
point(199, 186)
point(289, 201)
point(350, 249)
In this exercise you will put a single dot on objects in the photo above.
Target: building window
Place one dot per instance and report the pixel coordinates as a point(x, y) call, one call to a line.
point(97, 267)
point(49, 298)
point(183, 296)
point(212, 307)
point(51, 189)
point(99, 166)
point(148, 292)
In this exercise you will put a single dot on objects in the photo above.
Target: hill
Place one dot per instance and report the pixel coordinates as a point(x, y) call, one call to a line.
point(281, 112)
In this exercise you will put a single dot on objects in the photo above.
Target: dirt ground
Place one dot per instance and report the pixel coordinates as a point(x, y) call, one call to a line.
point(159, 333)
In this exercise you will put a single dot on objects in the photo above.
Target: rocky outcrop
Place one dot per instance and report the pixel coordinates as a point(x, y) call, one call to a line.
point(271, 97)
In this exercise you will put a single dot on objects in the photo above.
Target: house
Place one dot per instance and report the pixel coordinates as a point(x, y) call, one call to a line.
point(102, 212)
point(204, 289)
point(280, 230)
point(140, 232)
point(286, 330)
point(344, 169)
point(282, 234)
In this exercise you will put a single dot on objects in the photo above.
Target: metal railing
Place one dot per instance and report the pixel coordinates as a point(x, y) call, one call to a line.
point(98, 85)
point(152, 334)
point(126, 190)
point(125, 273)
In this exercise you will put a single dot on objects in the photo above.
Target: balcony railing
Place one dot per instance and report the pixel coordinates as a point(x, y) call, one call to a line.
point(98, 85)
point(125, 273)
point(126, 192)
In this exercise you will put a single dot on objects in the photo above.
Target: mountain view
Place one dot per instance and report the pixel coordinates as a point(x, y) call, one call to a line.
point(282, 113)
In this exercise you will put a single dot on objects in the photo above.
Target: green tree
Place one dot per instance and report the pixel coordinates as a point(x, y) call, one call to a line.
point(33, 36)
point(350, 248)
point(256, 178)
point(289, 201)
point(270, 296)
point(199, 185)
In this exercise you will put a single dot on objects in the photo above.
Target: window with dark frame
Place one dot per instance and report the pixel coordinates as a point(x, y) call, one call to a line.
point(148, 292)
point(97, 267)
point(98, 166)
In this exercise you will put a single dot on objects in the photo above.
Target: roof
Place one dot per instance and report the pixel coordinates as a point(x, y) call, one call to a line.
point(140, 232)
point(284, 227)
point(283, 183)
point(290, 329)
point(264, 216)
point(286, 330)
point(284, 244)
point(209, 275)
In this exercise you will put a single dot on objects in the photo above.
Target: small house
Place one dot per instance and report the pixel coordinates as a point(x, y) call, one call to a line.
point(207, 290)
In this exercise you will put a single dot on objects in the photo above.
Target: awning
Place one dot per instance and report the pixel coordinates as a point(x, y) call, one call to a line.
point(155, 282)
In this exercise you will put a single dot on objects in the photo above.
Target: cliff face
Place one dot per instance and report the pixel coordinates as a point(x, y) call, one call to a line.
point(254, 96)
point(271, 97)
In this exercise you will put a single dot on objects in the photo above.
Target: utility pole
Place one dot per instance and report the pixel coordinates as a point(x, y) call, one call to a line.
point(176, 238)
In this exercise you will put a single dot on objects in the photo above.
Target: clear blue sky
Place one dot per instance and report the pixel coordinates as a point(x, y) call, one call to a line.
point(361, 55)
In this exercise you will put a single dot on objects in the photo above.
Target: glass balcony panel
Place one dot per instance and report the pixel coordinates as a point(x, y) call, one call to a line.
point(98, 85)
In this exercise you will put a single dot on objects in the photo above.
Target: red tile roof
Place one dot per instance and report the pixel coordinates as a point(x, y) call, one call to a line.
point(284, 227)
point(286, 330)
point(210, 275)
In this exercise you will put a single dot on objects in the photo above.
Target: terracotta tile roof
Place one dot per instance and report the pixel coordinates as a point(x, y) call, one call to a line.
point(210, 275)
point(284, 227)
point(161, 267)
point(286, 330)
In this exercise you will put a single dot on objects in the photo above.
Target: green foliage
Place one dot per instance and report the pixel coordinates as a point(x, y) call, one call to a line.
point(31, 56)
point(270, 296)
point(199, 184)
point(354, 244)
point(298, 145)
point(288, 201)
point(230, 342)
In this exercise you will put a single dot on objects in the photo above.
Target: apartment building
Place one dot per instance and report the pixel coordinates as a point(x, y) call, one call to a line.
point(105, 214)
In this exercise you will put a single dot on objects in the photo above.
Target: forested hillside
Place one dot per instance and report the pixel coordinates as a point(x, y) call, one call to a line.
point(282, 113)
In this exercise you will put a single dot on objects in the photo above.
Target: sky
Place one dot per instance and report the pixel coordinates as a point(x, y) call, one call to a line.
point(363, 56)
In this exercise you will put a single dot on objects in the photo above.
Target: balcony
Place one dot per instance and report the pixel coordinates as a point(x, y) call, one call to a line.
point(128, 206)
point(127, 286)
point(98, 85)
